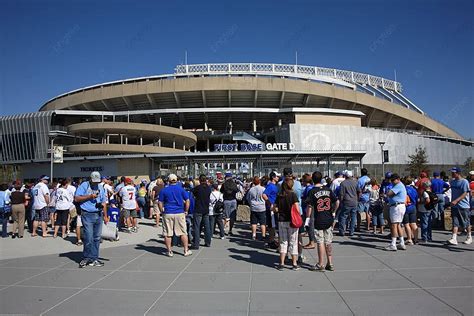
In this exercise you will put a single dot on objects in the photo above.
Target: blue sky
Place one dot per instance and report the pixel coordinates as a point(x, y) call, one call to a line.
point(50, 47)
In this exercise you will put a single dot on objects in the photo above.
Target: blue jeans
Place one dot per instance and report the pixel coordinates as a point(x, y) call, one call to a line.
point(92, 224)
point(4, 219)
point(426, 218)
point(343, 215)
point(141, 204)
point(219, 220)
point(197, 220)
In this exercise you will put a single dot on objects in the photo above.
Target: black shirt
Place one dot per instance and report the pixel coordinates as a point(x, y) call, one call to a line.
point(285, 202)
point(202, 195)
point(321, 199)
point(229, 189)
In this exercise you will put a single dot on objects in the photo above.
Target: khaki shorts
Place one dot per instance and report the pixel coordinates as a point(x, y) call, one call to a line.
point(324, 235)
point(174, 223)
point(156, 209)
point(73, 211)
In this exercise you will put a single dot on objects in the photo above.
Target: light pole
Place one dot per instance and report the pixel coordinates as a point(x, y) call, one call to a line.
point(53, 134)
point(383, 160)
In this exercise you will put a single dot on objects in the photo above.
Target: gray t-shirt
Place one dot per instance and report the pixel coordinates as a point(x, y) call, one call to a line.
point(349, 192)
point(255, 199)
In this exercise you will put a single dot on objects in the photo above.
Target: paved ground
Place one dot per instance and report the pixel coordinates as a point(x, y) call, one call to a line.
point(237, 277)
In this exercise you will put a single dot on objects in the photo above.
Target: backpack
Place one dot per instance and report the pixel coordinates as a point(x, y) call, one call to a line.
point(433, 200)
point(218, 207)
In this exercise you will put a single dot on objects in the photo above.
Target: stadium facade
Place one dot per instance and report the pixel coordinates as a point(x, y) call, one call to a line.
point(246, 117)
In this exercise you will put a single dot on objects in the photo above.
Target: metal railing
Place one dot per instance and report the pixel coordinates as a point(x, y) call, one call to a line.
point(299, 71)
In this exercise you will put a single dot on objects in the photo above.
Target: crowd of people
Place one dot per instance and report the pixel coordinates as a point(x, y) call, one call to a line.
point(284, 208)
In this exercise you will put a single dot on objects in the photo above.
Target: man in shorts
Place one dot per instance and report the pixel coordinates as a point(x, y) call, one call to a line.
point(324, 203)
point(396, 200)
point(40, 205)
point(174, 205)
point(460, 208)
point(128, 195)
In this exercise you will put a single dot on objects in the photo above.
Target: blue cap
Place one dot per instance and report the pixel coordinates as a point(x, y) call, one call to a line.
point(388, 174)
point(44, 177)
point(436, 174)
point(455, 169)
point(113, 201)
point(228, 174)
point(104, 177)
point(338, 174)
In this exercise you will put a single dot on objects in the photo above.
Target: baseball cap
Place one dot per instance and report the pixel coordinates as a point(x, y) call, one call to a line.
point(436, 174)
point(394, 176)
point(455, 169)
point(173, 177)
point(228, 174)
point(348, 173)
point(105, 177)
point(113, 201)
point(388, 174)
point(274, 174)
point(128, 181)
point(95, 176)
point(44, 177)
point(471, 173)
point(338, 174)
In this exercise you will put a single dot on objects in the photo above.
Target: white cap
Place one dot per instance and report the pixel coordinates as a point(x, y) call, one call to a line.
point(95, 176)
point(348, 173)
point(173, 177)
point(471, 173)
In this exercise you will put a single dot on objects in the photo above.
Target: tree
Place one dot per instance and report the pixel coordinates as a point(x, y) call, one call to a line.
point(418, 161)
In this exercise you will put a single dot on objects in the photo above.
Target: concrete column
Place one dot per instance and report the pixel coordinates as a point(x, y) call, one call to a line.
point(174, 143)
point(159, 141)
point(126, 140)
point(207, 145)
point(141, 140)
point(279, 122)
point(254, 125)
point(121, 139)
point(108, 139)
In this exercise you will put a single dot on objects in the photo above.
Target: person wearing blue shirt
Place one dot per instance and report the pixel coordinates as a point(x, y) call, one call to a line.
point(460, 208)
point(438, 187)
point(363, 206)
point(270, 195)
point(396, 200)
point(4, 206)
point(92, 200)
point(409, 219)
point(174, 205)
point(309, 221)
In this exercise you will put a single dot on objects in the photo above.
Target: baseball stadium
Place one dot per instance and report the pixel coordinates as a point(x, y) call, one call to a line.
point(246, 117)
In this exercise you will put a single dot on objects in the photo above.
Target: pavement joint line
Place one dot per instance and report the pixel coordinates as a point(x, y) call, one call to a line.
point(414, 283)
point(250, 289)
point(85, 288)
point(172, 282)
point(34, 276)
point(339, 293)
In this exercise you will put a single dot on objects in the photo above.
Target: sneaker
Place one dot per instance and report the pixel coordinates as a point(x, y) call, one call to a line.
point(391, 248)
point(317, 267)
point(330, 267)
point(79, 243)
point(409, 242)
point(280, 267)
point(83, 263)
point(170, 254)
point(301, 260)
point(452, 241)
point(468, 241)
point(223, 237)
point(402, 247)
point(254, 237)
point(295, 268)
point(188, 253)
point(96, 263)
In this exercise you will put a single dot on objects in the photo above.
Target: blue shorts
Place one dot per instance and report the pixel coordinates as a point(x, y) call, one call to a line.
point(409, 218)
point(363, 206)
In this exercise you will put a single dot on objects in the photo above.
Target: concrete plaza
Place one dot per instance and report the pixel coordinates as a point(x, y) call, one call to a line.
point(236, 276)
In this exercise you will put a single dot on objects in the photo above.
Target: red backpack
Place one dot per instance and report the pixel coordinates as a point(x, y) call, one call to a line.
point(296, 220)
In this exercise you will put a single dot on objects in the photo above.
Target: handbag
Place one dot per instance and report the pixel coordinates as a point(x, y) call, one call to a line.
point(296, 219)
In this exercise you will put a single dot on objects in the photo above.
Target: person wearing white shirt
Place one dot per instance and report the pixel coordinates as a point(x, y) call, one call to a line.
point(129, 204)
point(214, 219)
point(64, 201)
point(40, 205)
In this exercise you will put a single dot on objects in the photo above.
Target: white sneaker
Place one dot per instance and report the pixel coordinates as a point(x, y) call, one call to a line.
point(391, 248)
point(468, 241)
point(170, 254)
point(188, 253)
point(401, 247)
point(452, 241)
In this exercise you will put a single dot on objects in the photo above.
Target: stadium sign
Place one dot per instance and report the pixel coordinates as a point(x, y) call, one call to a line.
point(254, 147)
